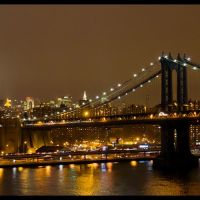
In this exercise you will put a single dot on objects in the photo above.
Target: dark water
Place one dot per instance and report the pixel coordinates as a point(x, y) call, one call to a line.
point(128, 178)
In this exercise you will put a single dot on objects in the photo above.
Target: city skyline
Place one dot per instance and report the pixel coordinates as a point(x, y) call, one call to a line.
point(50, 51)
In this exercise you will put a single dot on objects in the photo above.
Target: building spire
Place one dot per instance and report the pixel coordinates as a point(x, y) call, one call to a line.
point(84, 96)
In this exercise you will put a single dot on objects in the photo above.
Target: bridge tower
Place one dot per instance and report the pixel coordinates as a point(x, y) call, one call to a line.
point(167, 67)
point(175, 152)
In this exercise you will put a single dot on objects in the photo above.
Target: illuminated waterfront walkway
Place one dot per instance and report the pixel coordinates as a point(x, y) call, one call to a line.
point(8, 164)
point(30, 160)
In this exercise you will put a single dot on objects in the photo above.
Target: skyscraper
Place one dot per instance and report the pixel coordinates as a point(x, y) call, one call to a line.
point(84, 96)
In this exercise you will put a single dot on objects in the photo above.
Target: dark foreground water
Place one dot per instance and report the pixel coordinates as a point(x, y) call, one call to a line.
point(126, 178)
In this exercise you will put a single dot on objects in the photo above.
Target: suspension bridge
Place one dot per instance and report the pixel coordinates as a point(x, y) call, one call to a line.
point(97, 112)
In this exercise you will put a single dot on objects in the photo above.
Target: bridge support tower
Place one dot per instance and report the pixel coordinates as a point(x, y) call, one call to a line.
point(167, 67)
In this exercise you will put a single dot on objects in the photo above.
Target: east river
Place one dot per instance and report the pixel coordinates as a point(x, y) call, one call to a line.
point(122, 178)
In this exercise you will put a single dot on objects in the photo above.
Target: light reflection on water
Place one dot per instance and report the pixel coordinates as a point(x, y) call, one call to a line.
point(125, 178)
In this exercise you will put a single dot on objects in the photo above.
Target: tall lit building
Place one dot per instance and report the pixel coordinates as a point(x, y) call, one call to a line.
point(84, 96)
point(7, 103)
point(29, 103)
point(83, 101)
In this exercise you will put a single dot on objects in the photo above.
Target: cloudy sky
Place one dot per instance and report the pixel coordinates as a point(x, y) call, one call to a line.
point(48, 51)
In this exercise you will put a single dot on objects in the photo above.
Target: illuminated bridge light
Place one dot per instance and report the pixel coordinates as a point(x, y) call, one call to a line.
point(157, 76)
point(175, 60)
point(194, 68)
point(104, 93)
point(126, 93)
point(184, 64)
point(97, 97)
point(119, 85)
point(133, 90)
point(90, 100)
point(119, 97)
point(143, 69)
point(159, 58)
point(134, 75)
point(151, 63)
point(189, 59)
point(149, 81)
point(141, 85)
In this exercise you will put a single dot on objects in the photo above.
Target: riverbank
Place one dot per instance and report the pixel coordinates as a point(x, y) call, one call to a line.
point(67, 162)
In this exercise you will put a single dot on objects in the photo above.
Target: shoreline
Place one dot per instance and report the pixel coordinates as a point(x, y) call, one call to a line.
point(53, 163)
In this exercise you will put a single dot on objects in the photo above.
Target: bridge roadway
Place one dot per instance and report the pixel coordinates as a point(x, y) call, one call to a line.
point(194, 120)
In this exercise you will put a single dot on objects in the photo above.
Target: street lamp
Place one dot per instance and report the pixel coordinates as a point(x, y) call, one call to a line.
point(86, 114)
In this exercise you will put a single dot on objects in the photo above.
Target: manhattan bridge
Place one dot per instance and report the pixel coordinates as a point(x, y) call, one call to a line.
point(96, 113)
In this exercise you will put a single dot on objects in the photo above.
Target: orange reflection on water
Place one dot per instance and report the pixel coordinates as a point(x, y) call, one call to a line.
point(86, 184)
point(1, 172)
point(75, 167)
point(20, 169)
point(48, 170)
point(109, 166)
point(25, 180)
point(71, 166)
point(93, 165)
point(133, 163)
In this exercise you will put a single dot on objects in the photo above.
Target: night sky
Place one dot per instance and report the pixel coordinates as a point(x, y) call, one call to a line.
point(48, 51)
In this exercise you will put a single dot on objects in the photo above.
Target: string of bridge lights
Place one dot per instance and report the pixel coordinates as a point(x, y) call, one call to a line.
point(119, 87)
point(133, 89)
point(128, 90)
point(116, 89)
